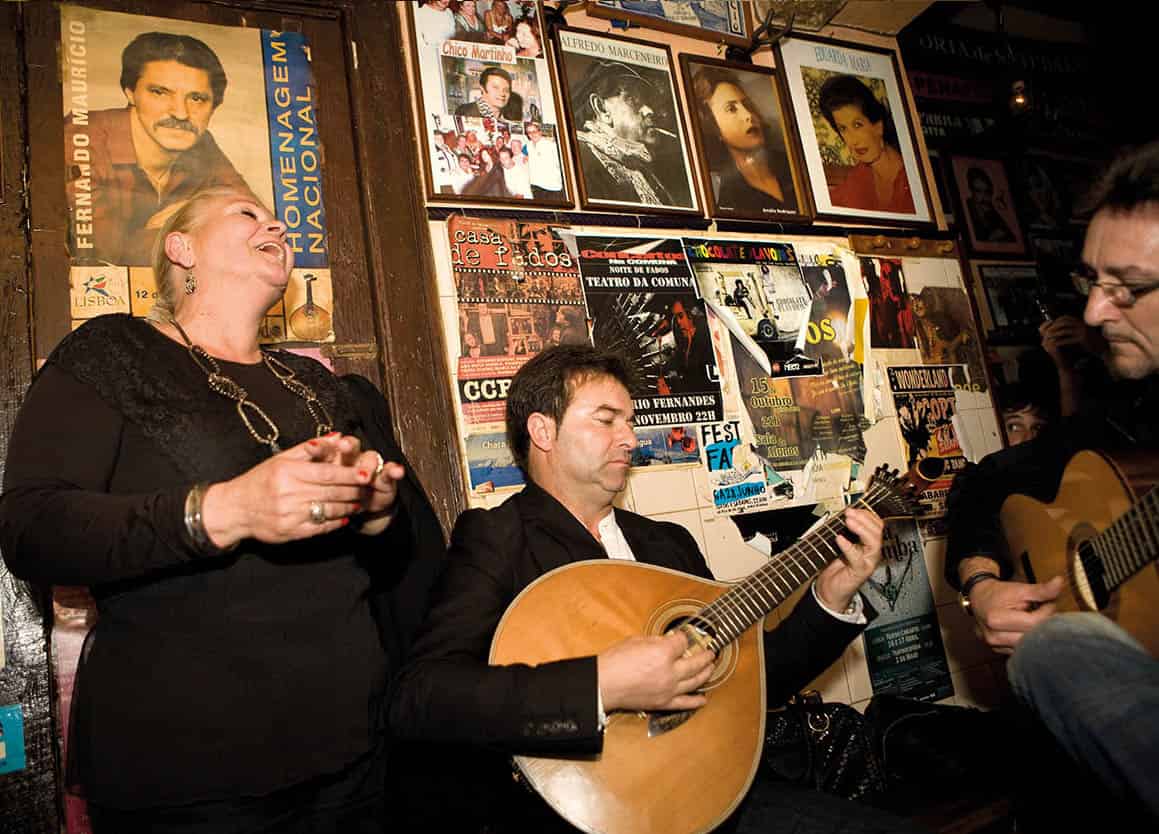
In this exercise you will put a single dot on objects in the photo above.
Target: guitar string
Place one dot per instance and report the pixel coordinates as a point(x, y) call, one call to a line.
point(735, 597)
point(791, 559)
point(771, 573)
point(787, 560)
point(778, 570)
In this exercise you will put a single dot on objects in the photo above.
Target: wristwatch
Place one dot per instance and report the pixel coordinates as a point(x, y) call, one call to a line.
point(968, 585)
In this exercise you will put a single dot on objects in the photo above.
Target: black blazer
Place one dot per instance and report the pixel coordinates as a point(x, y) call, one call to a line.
point(447, 692)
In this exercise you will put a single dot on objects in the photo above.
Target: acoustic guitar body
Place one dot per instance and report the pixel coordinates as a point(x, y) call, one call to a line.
point(657, 774)
point(1044, 541)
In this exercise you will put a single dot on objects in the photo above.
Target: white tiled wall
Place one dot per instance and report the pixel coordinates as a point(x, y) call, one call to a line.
point(682, 495)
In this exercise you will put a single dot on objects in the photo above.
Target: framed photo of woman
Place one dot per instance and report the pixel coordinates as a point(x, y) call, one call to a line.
point(715, 20)
point(749, 164)
point(631, 149)
point(989, 219)
point(489, 120)
point(857, 140)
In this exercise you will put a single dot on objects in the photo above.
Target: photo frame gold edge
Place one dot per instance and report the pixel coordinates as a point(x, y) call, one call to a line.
point(585, 203)
point(805, 213)
point(432, 197)
point(929, 224)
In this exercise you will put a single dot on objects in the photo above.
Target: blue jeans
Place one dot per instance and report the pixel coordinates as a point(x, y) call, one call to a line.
point(1097, 691)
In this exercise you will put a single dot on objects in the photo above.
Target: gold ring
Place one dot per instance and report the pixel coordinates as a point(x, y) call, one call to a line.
point(317, 512)
point(378, 469)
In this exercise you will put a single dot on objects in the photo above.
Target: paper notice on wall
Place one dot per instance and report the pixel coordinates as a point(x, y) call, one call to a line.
point(903, 645)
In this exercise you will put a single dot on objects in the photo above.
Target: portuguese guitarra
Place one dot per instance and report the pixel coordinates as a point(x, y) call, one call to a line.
point(678, 772)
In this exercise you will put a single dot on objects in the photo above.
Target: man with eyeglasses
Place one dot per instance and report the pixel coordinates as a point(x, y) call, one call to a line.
point(1090, 683)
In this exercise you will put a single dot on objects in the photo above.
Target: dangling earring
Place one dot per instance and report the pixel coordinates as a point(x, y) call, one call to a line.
point(190, 283)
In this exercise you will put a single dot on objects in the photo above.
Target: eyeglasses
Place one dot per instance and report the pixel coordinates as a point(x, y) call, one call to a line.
point(1121, 295)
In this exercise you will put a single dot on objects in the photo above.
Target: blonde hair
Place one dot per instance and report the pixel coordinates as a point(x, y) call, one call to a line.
point(186, 219)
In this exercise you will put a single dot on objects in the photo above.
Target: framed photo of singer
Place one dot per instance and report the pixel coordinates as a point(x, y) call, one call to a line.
point(631, 149)
point(749, 159)
point(489, 117)
point(857, 138)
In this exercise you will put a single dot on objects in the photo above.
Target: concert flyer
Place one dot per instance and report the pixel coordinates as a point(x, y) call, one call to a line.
point(891, 322)
point(644, 304)
point(757, 288)
point(828, 333)
point(736, 475)
point(666, 445)
point(253, 127)
point(833, 409)
point(923, 396)
point(518, 292)
point(903, 644)
point(490, 464)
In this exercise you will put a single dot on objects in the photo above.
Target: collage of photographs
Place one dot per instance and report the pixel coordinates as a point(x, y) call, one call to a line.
point(825, 138)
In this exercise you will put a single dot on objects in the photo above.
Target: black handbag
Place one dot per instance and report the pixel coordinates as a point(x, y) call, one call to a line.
point(824, 746)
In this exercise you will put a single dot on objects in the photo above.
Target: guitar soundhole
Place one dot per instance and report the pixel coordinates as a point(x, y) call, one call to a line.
point(681, 612)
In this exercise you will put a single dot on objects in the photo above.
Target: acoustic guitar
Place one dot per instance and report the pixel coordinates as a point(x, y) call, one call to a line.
point(1099, 536)
point(672, 772)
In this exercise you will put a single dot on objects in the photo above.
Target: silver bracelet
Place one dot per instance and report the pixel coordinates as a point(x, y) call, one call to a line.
point(195, 524)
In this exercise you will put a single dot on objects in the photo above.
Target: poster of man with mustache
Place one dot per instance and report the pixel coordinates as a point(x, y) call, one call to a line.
point(156, 110)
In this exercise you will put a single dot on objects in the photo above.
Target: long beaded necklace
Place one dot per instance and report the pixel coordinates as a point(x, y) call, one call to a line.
point(226, 387)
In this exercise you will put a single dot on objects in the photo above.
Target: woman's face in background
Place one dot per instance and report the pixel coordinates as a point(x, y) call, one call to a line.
point(525, 36)
point(865, 140)
point(736, 118)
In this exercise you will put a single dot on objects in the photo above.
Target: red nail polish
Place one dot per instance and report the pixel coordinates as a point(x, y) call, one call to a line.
point(313, 442)
point(345, 521)
point(332, 434)
point(362, 473)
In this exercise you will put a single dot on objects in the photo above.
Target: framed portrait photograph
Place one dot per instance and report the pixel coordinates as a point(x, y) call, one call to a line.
point(749, 163)
point(712, 20)
point(490, 126)
point(987, 216)
point(627, 131)
point(857, 139)
point(1043, 197)
point(1008, 296)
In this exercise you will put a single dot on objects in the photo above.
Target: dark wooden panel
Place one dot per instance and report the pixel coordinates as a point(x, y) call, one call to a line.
point(401, 261)
point(28, 799)
point(49, 213)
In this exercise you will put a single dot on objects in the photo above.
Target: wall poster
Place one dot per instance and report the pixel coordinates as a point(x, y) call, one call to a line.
point(157, 109)
point(643, 302)
point(924, 398)
point(518, 292)
point(757, 288)
point(903, 645)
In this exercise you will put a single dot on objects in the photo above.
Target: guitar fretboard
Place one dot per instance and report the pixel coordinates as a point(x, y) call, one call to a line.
point(1130, 543)
point(731, 614)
